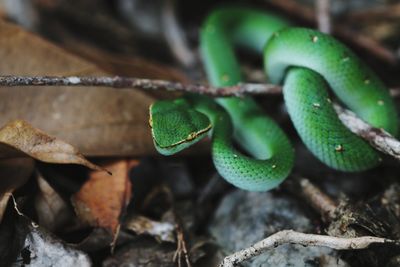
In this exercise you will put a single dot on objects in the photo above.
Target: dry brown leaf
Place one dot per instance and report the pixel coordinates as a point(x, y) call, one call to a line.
point(13, 174)
point(52, 211)
point(3, 203)
point(98, 121)
point(18, 139)
point(103, 198)
point(24, 138)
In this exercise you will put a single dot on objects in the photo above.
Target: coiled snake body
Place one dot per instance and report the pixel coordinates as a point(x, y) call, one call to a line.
point(308, 63)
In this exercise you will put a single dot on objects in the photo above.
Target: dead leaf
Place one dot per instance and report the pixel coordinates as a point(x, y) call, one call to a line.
point(52, 211)
point(163, 231)
point(24, 138)
point(3, 203)
point(103, 198)
point(98, 121)
point(13, 174)
point(13, 232)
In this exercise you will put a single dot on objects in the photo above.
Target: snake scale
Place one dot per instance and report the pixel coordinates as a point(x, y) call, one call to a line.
point(307, 62)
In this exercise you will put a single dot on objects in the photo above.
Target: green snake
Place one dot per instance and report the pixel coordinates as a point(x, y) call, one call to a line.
point(307, 62)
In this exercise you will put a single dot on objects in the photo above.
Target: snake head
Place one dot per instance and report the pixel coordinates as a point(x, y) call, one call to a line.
point(176, 126)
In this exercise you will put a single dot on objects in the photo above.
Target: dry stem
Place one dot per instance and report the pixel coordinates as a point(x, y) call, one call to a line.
point(175, 36)
point(142, 84)
point(380, 139)
point(318, 199)
point(323, 16)
point(292, 237)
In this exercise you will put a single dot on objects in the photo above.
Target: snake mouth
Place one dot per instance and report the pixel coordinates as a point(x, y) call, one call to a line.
point(191, 137)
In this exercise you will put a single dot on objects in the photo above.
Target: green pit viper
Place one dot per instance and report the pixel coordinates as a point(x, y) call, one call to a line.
point(307, 62)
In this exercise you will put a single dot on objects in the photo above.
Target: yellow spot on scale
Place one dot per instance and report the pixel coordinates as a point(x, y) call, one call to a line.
point(367, 81)
point(235, 156)
point(339, 148)
point(273, 166)
point(345, 59)
point(314, 39)
point(191, 136)
point(225, 78)
point(381, 103)
point(316, 105)
point(150, 116)
point(328, 100)
point(211, 28)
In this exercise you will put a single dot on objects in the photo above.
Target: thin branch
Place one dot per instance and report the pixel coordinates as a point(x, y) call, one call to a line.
point(292, 237)
point(175, 36)
point(386, 12)
point(142, 84)
point(182, 246)
point(147, 85)
point(378, 138)
point(320, 201)
point(323, 15)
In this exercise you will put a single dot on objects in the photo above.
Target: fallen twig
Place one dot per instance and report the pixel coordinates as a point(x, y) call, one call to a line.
point(378, 138)
point(182, 247)
point(320, 201)
point(142, 84)
point(292, 237)
point(182, 251)
point(147, 85)
point(174, 35)
point(323, 15)
point(386, 12)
